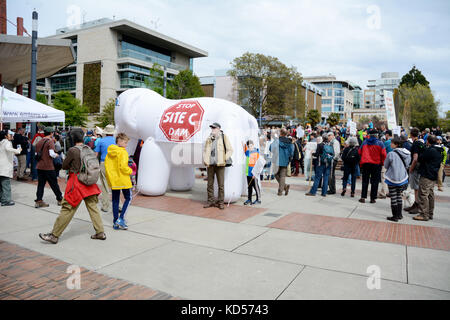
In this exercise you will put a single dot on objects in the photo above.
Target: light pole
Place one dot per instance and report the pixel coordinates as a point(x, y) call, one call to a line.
point(32, 88)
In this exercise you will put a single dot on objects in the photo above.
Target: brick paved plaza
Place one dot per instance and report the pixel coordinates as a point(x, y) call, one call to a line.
point(287, 248)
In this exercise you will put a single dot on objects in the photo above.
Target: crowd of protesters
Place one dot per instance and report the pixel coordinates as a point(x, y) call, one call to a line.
point(373, 154)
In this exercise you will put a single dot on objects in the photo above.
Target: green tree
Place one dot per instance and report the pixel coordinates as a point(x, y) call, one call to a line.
point(185, 85)
point(76, 113)
point(313, 117)
point(106, 117)
point(41, 98)
point(156, 80)
point(418, 106)
point(334, 119)
point(264, 80)
point(413, 77)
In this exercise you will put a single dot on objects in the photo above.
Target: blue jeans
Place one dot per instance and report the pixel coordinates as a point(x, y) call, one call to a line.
point(116, 201)
point(322, 171)
point(349, 177)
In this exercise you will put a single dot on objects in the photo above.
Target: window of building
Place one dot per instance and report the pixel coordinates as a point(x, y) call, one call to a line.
point(330, 92)
point(337, 85)
point(339, 93)
point(326, 101)
point(326, 109)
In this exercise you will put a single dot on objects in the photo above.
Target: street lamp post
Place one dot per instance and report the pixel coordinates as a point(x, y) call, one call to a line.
point(34, 63)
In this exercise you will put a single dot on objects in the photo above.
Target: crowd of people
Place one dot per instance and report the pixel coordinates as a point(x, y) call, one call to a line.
point(373, 154)
point(97, 165)
point(99, 169)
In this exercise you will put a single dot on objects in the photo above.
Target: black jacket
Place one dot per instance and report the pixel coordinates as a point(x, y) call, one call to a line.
point(348, 161)
point(298, 153)
point(430, 162)
point(22, 141)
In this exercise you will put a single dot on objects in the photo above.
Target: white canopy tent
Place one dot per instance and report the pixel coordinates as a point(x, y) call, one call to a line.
point(17, 108)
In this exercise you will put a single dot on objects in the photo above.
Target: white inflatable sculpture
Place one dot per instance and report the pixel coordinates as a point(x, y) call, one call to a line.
point(174, 132)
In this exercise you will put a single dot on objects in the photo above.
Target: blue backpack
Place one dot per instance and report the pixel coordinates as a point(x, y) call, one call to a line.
point(327, 155)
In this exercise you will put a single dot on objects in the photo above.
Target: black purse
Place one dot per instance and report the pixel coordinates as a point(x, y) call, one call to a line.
point(228, 162)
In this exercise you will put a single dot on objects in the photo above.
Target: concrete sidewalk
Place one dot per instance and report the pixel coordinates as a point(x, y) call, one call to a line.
point(175, 246)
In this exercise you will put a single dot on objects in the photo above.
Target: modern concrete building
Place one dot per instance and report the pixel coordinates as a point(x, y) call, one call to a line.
point(389, 81)
point(225, 87)
point(113, 56)
point(337, 97)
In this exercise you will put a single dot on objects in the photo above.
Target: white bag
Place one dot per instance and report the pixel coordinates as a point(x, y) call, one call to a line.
point(409, 197)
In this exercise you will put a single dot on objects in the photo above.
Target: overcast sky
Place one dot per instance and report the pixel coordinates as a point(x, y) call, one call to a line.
point(353, 40)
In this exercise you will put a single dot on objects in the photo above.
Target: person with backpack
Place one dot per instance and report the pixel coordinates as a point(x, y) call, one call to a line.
point(324, 155)
point(414, 175)
point(118, 175)
point(217, 155)
point(285, 154)
point(373, 154)
point(396, 176)
point(350, 157)
point(430, 162)
point(81, 186)
point(45, 153)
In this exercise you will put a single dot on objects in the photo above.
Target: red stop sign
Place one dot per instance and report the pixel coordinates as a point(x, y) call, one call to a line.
point(182, 121)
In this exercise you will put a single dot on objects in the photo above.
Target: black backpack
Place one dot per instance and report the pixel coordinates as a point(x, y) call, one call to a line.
point(352, 156)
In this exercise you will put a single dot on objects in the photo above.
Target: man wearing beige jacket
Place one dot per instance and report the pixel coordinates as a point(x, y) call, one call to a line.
point(217, 153)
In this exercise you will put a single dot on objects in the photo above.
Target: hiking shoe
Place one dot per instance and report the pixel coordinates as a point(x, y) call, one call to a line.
point(99, 236)
point(256, 202)
point(286, 190)
point(248, 202)
point(41, 204)
point(122, 224)
point(8, 204)
point(49, 238)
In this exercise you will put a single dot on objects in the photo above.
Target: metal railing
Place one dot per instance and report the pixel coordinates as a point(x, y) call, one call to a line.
point(147, 58)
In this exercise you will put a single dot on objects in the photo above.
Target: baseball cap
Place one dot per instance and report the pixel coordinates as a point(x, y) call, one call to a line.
point(439, 138)
point(215, 125)
point(48, 129)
